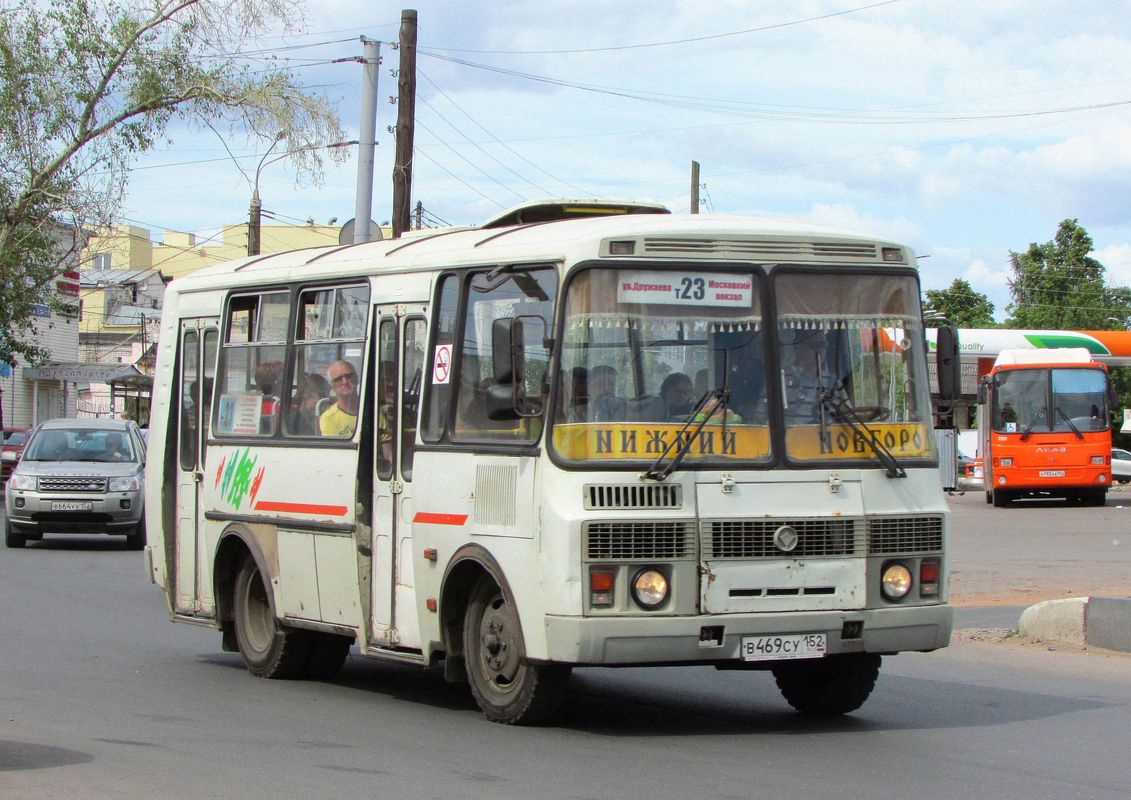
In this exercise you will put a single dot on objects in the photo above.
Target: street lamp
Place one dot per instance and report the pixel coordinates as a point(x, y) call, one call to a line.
point(256, 210)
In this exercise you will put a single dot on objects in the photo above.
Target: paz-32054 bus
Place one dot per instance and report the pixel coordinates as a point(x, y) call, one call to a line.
point(571, 438)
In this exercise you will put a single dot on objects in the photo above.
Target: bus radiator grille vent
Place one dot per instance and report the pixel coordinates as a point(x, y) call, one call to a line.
point(631, 497)
point(762, 249)
point(891, 535)
point(756, 538)
point(495, 492)
point(653, 540)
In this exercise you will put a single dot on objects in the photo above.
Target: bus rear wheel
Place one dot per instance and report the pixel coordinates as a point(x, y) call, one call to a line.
point(1001, 499)
point(828, 686)
point(507, 688)
point(269, 649)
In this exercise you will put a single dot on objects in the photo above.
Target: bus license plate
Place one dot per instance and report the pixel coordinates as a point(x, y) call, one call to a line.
point(765, 648)
point(72, 505)
point(1051, 473)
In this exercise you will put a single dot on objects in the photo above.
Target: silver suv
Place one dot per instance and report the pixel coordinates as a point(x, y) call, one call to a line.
point(78, 476)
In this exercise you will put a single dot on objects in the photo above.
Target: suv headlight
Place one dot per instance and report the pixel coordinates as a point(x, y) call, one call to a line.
point(22, 482)
point(123, 484)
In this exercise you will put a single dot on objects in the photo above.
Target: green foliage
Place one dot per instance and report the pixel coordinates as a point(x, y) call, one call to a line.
point(1057, 285)
point(86, 85)
point(961, 305)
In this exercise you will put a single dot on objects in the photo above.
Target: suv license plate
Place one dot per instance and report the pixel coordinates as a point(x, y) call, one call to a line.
point(72, 505)
point(767, 648)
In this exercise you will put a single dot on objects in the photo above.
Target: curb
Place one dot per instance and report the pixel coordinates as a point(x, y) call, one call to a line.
point(1103, 622)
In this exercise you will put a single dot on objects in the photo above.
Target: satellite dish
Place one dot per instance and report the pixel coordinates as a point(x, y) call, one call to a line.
point(345, 235)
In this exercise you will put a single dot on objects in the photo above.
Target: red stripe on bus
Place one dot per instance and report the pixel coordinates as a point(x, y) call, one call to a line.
point(300, 508)
point(429, 518)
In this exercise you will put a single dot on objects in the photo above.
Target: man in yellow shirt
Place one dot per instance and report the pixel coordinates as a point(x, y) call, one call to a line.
point(340, 419)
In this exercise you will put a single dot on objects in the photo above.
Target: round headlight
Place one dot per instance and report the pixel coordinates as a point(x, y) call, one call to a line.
point(649, 588)
point(896, 581)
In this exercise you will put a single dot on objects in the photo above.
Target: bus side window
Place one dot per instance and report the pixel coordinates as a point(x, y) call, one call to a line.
point(412, 359)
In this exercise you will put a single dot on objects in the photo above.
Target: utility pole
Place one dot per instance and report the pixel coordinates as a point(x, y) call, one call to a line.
point(406, 115)
point(694, 187)
point(367, 144)
point(253, 220)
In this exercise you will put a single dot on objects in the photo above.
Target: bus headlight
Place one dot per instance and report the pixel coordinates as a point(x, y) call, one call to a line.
point(896, 581)
point(649, 588)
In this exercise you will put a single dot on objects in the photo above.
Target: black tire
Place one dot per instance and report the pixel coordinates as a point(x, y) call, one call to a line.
point(507, 688)
point(135, 540)
point(11, 538)
point(269, 649)
point(327, 654)
point(989, 497)
point(1098, 497)
point(1001, 499)
point(828, 686)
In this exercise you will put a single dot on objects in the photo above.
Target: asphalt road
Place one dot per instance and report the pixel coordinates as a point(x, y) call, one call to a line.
point(102, 697)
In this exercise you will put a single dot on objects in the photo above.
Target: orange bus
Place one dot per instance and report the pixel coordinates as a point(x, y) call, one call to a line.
point(1044, 424)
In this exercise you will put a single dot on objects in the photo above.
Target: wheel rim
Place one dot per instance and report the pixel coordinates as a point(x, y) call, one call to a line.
point(260, 625)
point(498, 654)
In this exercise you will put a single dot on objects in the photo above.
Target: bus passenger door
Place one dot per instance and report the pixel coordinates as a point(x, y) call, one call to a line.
point(400, 364)
point(198, 368)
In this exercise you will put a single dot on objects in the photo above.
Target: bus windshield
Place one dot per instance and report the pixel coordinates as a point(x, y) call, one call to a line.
point(642, 348)
point(648, 357)
point(1041, 400)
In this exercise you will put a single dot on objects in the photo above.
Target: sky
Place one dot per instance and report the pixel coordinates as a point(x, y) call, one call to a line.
point(964, 128)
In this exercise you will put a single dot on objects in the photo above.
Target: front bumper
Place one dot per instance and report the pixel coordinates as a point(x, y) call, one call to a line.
point(39, 512)
point(639, 640)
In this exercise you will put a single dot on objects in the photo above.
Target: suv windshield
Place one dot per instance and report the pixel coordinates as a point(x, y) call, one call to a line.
point(80, 444)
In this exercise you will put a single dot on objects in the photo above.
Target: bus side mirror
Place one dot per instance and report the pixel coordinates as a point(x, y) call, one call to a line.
point(983, 388)
point(507, 351)
point(948, 364)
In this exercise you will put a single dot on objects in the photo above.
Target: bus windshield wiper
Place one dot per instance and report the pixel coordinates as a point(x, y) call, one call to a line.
point(1029, 428)
point(838, 403)
point(682, 442)
point(1075, 430)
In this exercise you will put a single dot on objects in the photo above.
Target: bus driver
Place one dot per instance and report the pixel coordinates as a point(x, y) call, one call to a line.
point(340, 419)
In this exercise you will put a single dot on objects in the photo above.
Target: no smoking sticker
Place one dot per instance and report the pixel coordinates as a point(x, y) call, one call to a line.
point(442, 364)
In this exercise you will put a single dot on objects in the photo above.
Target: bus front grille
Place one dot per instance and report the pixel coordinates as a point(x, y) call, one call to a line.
point(891, 535)
point(811, 538)
point(632, 497)
point(651, 540)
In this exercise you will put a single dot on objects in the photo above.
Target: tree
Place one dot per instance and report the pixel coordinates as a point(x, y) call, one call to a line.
point(961, 305)
point(1057, 285)
point(86, 85)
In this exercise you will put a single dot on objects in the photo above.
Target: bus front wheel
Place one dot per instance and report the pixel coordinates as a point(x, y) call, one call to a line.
point(269, 649)
point(507, 688)
point(828, 686)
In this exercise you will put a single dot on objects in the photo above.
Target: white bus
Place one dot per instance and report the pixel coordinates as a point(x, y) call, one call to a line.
point(627, 438)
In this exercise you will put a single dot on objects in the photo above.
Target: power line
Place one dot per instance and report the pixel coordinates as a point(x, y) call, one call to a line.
point(706, 38)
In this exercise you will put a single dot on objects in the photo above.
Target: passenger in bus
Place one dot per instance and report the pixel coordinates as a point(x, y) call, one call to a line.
point(340, 419)
point(806, 378)
point(304, 416)
point(678, 395)
point(604, 405)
